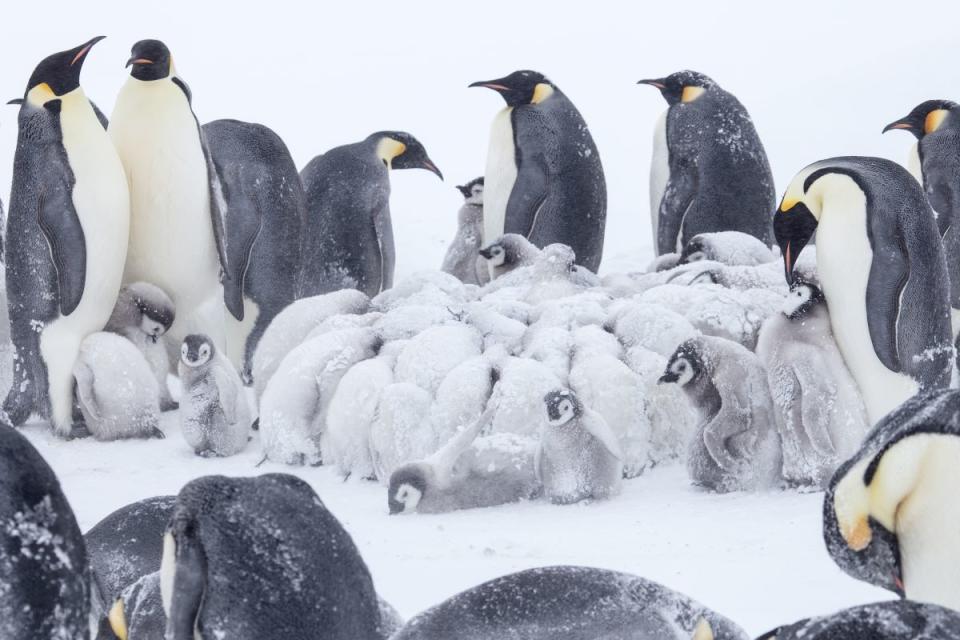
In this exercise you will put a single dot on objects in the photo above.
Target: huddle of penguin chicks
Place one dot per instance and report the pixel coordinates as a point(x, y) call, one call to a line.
point(121, 379)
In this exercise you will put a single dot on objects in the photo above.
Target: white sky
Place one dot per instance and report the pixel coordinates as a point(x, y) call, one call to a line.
point(819, 78)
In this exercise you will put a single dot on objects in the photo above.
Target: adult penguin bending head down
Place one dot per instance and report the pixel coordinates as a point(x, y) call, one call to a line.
point(709, 170)
point(544, 179)
point(882, 272)
point(347, 241)
point(66, 237)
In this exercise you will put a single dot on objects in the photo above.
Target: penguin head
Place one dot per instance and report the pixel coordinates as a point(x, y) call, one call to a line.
point(797, 217)
point(494, 253)
point(682, 86)
point(150, 60)
point(521, 87)
point(472, 191)
point(694, 251)
point(804, 296)
point(408, 484)
point(155, 307)
point(925, 118)
point(400, 150)
point(196, 350)
point(57, 75)
point(684, 366)
point(562, 407)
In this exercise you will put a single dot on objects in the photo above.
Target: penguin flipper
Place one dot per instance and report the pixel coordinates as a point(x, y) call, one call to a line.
point(596, 426)
point(527, 197)
point(228, 394)
point(817, 395)
point(242, 232)
point(677, 199)
point(889, 273)
point(61, 227)
point(388, 251)
point(104, 122)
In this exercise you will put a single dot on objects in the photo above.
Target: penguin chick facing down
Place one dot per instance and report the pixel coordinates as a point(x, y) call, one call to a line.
point(579, 457)
point(256, 558)
point(736, 446)
point(143, 314)
point(894, 620)
point(116, 390)
point(214, 414)
point(461, 258)
point(507, 253)
point(732, 248)
point(717, 174)
point(347, 240)
point(890, 513)
point(544, 179)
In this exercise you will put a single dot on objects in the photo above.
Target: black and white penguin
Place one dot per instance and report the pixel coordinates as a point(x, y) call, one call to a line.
point(711, 172)
point(66, 237)
point(508, 252)
point(264, 218)
point(901, 485)
point(544, 179)
point(137, 614)
point(461, 259)
point(347, 240)
point(570, 603)
point(253, 558)
point(895, 620)
point(176, 205)
point(43, 562)
point(936, 125)
point(882, 270)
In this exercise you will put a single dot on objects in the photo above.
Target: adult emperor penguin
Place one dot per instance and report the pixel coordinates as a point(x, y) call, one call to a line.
point(936, 125)
point(902, 484)
point(347, 240)
point(894, 620)
point(263, 222)
point(176, 205)
point(544, 179)
point(882, 272)
point(709, 170)
point(66, 237)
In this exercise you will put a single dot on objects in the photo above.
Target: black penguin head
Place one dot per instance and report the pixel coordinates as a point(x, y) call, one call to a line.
point(196, 350)
point(494, 253)
point(150, 60)
point(797, 217)
point(925, 118)
point(684, 366)
point(521, 87)
point(803, 297)
point(562, 407)
point(400, 150)
point(472, 191)
point(408, 484)
point(682, 86)
point(57, 75)
point(156, 309)
point(694, 251)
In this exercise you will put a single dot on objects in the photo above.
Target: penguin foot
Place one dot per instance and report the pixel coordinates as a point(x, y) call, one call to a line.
point(156, 433)
point(207, 453)
point(169, 405)
point(78, 431)
point(256, 425)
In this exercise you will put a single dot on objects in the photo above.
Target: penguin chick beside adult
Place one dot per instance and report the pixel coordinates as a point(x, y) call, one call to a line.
point(819, 412)
point(66, 237)
point(264, 218)
point(717, 174)
point(461, 259)
point(579, 457)
point(736, 446)
point(508, 252)
point(544, 179)
point(214, 414)
point(143, 314)
point(882, 271)
point(347, 240)
point(732, 248)
point(890, 514)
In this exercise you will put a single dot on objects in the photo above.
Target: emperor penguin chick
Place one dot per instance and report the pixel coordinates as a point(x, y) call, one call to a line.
point(507, 253)
point(214, 415)
point(579, 456)
point(461, 259)
point(142, 315)
point(736, 446)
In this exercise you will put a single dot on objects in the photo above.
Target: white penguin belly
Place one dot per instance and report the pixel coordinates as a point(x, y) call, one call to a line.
point(501, 174)
point(659, 172)
point(844, 257)
point(913, 163)
point(928, 528)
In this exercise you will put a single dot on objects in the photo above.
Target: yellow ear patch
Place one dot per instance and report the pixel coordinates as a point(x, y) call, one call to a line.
point(388, 149)
point(541, 92)
point(934, 119)
point(40, 95)
point(691, 93)
point(703, 631)
point(788, 203)
point(118, 620)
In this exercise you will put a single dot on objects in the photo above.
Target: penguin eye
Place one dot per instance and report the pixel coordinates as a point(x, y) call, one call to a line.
point(204, 351)
point(184, 350)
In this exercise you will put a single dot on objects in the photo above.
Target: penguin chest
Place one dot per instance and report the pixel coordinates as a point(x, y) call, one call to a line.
point(659, 171)
point(844, 259)
point(500, 176)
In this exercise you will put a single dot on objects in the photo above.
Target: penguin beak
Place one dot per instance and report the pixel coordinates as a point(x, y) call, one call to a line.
point(496, 85)
point(793, 229)
point(136, 60)
point(659, 83)
point(429, 166)
point(16, 101)
point(668, 378)
point(899, 124)
point(84, 50)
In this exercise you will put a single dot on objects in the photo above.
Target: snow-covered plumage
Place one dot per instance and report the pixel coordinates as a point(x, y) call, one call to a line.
point(518, 396)
point(432, 354)
point(727, 247)
point(649, 325)
point(402, 430)
point(895, 620)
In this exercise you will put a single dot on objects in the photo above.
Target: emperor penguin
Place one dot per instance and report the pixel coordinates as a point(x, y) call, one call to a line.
point(461, 259)
point(902, 483)
point(892, 620)
point(544, 179)
point(936, 125)
point(717, 174)
point(176, 204)
point(66, 237)
point(570, 603)
point(265, 214)
point(43, 561)
point(882, 270)
point(137, 613)
point(347, 241)
point(508, 252)
point(254, 558)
